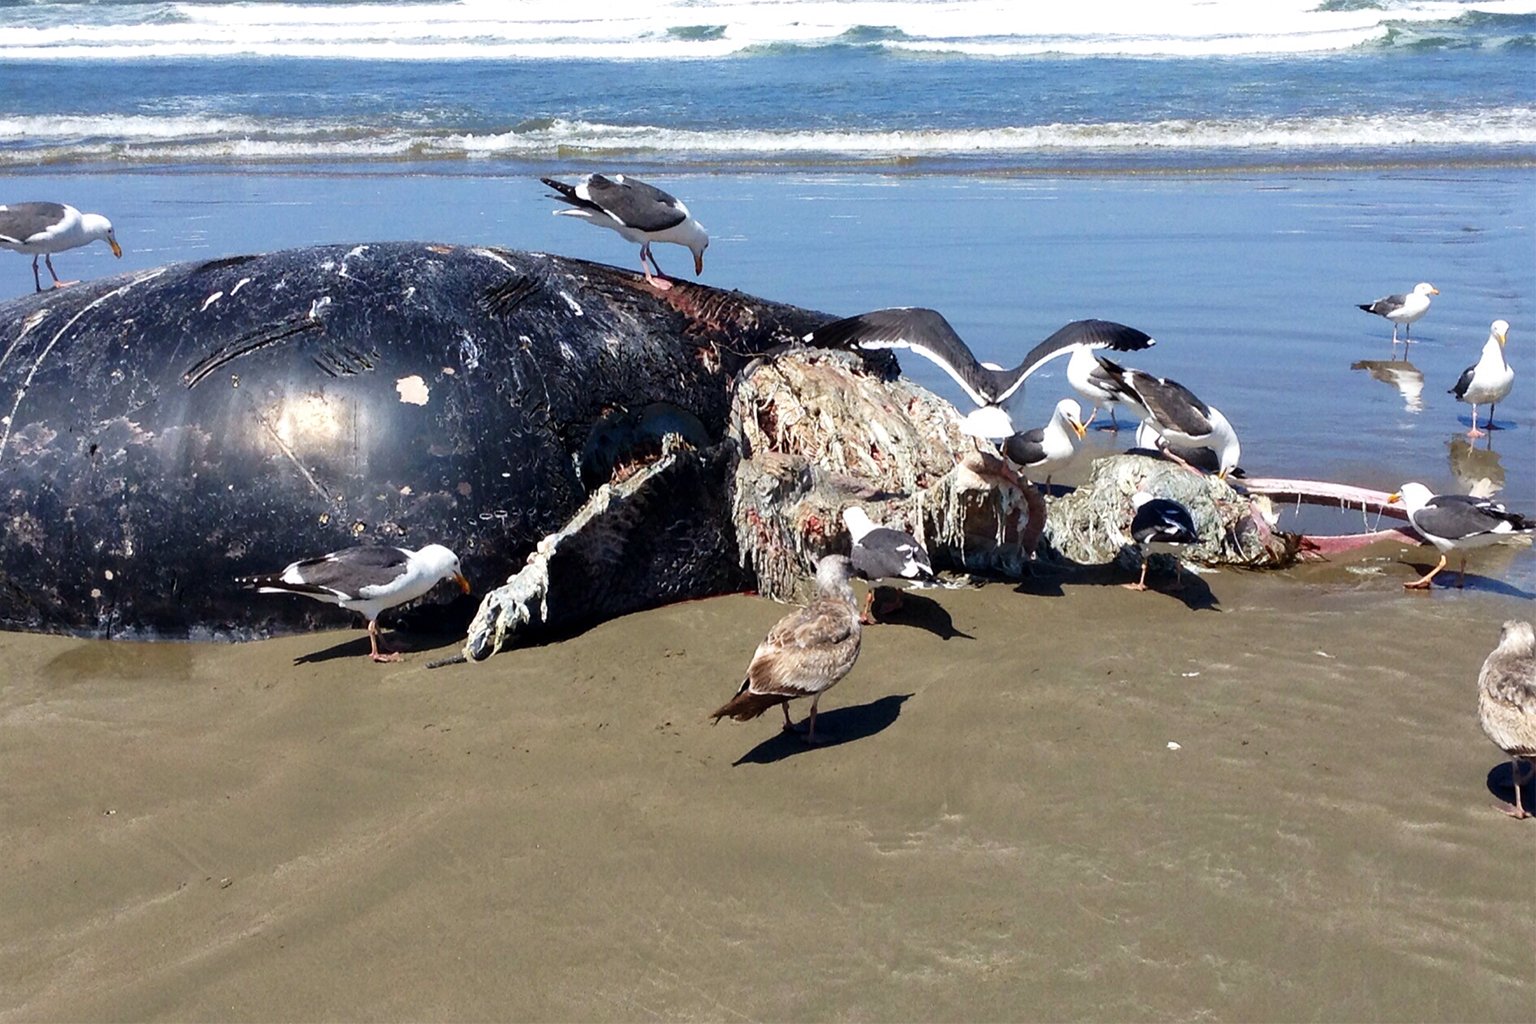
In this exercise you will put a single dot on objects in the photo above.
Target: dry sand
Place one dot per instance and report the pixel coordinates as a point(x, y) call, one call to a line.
point(283, 830)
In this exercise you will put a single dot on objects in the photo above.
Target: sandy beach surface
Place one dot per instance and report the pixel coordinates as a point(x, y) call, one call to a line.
point(1267, 799)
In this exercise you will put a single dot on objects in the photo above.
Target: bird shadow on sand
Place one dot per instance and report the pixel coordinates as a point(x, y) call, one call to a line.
point(1446, 580)
point(360, 648)
point(919, 612)
point(837, 727)
point(1501, 785)
point(1195, 592)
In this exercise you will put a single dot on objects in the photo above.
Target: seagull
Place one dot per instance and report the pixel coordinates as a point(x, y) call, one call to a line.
point(1506, 702)
point(43, 229)
point(1489, 379)
point(805, 654)
point(1046, 449)
point(1403, 309)
point(1181, 420)
point(995, 390)
point(1202, 457)
point(1160, 523)
point(882, 553)
point(1456, 522)
point(367, 579)
point(639, 212)
point(1097, 380)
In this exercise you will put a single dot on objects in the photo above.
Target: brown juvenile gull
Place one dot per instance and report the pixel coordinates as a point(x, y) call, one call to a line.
point(368, 579)
point(805, 654)
point(1506, 701)
point(43, 229)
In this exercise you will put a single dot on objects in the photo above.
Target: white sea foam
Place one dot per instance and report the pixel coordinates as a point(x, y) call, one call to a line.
point(680, 29)
point(36, 140)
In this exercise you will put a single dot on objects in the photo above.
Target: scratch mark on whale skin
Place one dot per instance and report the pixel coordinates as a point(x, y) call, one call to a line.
point(21, 392)
point(210, 300)
point(26, 328)
point(258, 339)
point(240, 284)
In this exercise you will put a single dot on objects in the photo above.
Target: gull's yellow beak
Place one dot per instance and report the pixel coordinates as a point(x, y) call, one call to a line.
point(1079, 429)
point(117, 250)
point(698, 264)
point(1502, 337)
point(463, 583)
point(1434, 291)
point(1394, 498)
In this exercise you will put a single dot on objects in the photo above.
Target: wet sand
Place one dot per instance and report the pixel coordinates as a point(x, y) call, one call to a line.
point(283, 830)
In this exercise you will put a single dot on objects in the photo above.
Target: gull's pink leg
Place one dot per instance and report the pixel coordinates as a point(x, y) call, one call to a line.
point(373, 637)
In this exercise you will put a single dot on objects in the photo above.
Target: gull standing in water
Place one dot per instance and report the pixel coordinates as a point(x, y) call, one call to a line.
point(1456, 522)
point(1404, 310)
point(1487, 381)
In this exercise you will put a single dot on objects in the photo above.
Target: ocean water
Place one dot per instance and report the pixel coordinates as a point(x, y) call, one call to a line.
point(1230, 176)
point(711, 83)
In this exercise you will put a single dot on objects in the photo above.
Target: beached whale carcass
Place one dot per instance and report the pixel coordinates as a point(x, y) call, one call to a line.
point(165, 431)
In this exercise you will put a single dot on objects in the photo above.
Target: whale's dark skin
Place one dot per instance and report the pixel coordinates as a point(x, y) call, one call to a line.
point(165, 431)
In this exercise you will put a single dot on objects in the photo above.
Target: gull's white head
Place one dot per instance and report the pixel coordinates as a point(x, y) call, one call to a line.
point(1070, 415)
point(1425, 288)
point(1412, 496)
point(94, 226)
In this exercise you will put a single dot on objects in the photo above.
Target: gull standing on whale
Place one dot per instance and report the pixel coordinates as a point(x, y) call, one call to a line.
point(1181, 419)
point(1097, 380)
point(1488, 380)
point(995, 390)
point(370, 579)
point(639, 212)
point(1403, 309)
point(805, 654)
point(43, 229)
point(1046, 449)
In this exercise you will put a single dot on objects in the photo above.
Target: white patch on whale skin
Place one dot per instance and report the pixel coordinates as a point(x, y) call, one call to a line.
point(566, 352)
point(413, 389)
point(355, 251)
point(210, 300)
point(318, 307)
point(572, 303)
point(238, 285)
point(498, 257)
